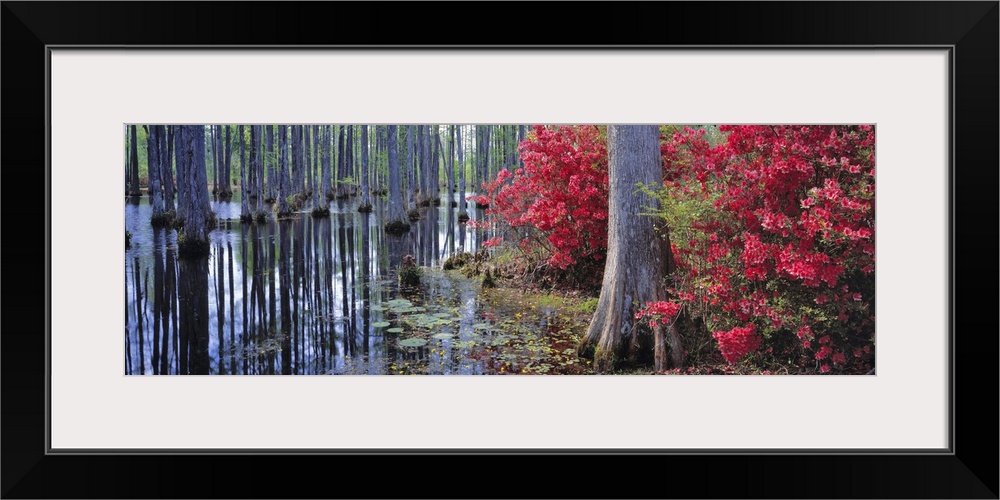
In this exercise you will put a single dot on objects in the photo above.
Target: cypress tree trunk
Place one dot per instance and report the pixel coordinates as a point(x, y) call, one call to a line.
point(307, 140)
point(297, 181)
point(423, 152)
point(183, 181)
point(167, 168)
point(341, 159)
point(345, 190)
point(153, 168)
point(638, 258)
point(410, 168)
point(255, 168)
point(202, 178)
point(245, 214)
point(449, 165)
point(284, 184)
point(434, 174)
point(227, 164)
point(216, 164)
point(366, 204)
point(134, 189)
point(297, 161)
point(520, 139)
point(397, 222)
point(269, 161)
point(320, 201)
point(463, 211)
point(194, 243)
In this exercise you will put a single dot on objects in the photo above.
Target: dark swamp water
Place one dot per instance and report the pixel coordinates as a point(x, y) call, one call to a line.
point(322, 296)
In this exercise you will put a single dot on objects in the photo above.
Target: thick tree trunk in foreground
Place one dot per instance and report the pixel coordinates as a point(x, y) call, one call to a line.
point(198, 210)
point(637, 260)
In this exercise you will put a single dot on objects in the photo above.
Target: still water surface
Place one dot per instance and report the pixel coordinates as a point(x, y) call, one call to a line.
point(321, 296)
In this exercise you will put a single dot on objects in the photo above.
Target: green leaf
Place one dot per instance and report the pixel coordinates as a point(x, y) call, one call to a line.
point(413, 342)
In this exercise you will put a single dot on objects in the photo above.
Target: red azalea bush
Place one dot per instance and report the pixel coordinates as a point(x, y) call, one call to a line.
point(772, 231)
point(559, 200)
point(787, 248)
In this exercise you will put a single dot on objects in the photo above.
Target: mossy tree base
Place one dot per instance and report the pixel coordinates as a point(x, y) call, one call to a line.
point(260, 218)
point(397, 227)
point(188, 248)
point(365, 209)
point(320, 213)
point(463, 218)
point(436, 202)
point(409, 272)
point(413, 215)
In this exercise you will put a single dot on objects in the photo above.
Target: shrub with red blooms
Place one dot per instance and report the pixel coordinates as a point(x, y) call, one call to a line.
point(559, 200)
point(784, 241)
point(738, 342)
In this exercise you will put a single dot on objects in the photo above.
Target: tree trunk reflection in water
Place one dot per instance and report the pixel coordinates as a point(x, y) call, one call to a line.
point(348, 341)
point(365, 283)
point(272, 327)
point(193, 292)
point(220, 302)
point(286, 320)
point(300, 292)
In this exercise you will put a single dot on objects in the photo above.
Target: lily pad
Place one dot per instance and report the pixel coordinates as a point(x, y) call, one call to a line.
point(442, 315)
point(443, 336)
point(394, 330)
point(376, 308)
point(413, 343)
point(380, 324)
point(480, 326)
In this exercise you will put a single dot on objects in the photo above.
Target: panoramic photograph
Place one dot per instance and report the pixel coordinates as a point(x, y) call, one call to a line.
point(499, 249)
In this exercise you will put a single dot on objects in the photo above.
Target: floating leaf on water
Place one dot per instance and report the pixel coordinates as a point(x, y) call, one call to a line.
point(380, 324)
point(399, 302)
point(394, 330)
point(376, 308)
point(443, 336)
point(480, 326)
point(412, 342)
point(442, 315)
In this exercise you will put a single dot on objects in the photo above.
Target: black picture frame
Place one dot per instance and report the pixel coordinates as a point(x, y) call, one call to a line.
point(968, 470)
